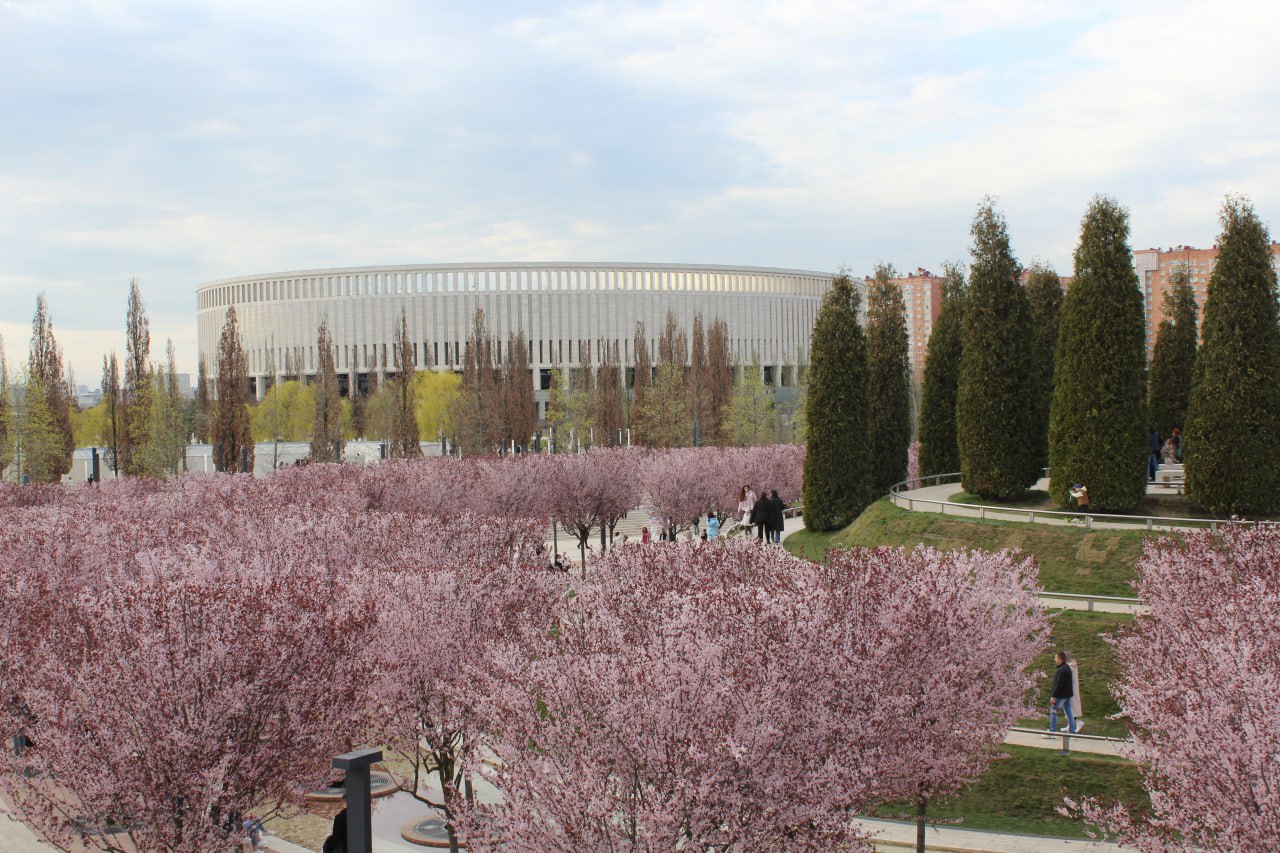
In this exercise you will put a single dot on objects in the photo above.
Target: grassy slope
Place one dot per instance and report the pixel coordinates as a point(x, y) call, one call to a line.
point(1071, 559)
point(1022, 792)
point(1081, 633)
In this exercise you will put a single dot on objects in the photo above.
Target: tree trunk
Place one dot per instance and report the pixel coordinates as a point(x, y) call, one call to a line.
point(921, 802)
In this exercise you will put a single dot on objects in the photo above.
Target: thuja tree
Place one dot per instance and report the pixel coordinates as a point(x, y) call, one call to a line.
point(1197, 678)
point(327, 439)
point(1044, 293)
point(1173, 358)
point(230, 432)
point(1096, 430)
point(836, 475)
point(995, 424)
point(939, 453)
point(888, 381)
point(1233, 421)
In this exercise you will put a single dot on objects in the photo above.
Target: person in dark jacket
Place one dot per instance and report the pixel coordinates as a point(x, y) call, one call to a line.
point(776, 519)
point(1154, 444)
point(1060, 696)
point(760, 515)
point(337, 840)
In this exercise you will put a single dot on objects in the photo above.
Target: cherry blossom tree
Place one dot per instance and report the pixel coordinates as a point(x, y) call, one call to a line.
point(163, 709)
point(952, 640)
point(447, 627)
point(1198, 678)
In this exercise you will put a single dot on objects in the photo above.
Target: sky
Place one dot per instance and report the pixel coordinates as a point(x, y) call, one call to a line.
point(182, 142)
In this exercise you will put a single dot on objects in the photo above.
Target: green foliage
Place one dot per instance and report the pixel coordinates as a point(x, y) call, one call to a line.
point(1232, 435)
point(92, 427)
point(1097, 434)
point(39, 442)
point(435, 398)
point(1044, 294)
point(285, 413)
point(1173, 359)
point(836, 473)
point(750, 420)
point(663, 416)
point(6, 414)
point(332, 422)
point(939, 453)
point(888, 381)
point(995, 425)
point(569, 410)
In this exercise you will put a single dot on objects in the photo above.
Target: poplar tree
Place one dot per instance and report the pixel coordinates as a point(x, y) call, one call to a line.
point(480, 418)
point(1232, 435)
point(404, 427)
point(45, 367)
point(888, 381)
point(1173, 358)
point(519, 405)
point(836, 475)
point(1097, 429)
point(939, 453)
point(138, 388)
point(995, 424)
point(327, 441)
point(641, 384)
point(608, 405)
point(6, 414)
point(204, 404)
point(1044, 293)
point(230, 431)
point(111, 396)
point(698, 385)
point(720, 386)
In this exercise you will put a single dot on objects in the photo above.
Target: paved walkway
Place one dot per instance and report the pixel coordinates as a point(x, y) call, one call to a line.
point(898, 835)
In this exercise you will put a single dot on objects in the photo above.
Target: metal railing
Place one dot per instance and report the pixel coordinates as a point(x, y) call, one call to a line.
point(1067, 737)
point(1134, 604)
point(1033, 516)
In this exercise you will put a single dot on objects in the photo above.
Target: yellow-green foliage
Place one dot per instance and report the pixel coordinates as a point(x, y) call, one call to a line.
point(285, 413)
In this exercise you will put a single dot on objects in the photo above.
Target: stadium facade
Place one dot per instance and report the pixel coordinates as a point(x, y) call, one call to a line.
point(559, 307)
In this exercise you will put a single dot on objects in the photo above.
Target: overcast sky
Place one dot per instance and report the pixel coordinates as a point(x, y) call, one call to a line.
point(186, 141)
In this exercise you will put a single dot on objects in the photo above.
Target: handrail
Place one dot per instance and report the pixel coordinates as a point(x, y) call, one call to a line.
point(1150, 522)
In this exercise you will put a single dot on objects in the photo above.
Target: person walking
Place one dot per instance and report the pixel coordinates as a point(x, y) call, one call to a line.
point(1154, 445)
point(746, 503)
point(644, 535)
point(1061, 695)
point(1081, 493)
point(713, 526)
point(777, 519)
point(760, 514)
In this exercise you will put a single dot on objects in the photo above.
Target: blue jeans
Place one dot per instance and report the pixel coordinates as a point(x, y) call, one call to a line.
point(775, 536)
point(1065, 706)
point(1153, 465)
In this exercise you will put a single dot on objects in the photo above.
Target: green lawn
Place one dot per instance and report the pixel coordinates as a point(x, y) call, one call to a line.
point(1080, 633)
point(1034, 499)
point(1022, 792)
point(1071, 559)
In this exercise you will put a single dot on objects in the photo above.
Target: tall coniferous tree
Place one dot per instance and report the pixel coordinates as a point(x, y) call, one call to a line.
point(139, 391)
point(699, 382)
point(995, 425)
point(1232, 433)
point(1097, 434)
point(888, 381)
point(1044, 293)
point(1173, 358)
point(939, 453)
point(230, 432)
point(481, 427)
point(45, 365)
point(836, 475)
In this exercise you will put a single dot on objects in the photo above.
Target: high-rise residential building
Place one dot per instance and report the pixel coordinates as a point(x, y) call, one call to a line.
point(922, 291)
point(1155, 268)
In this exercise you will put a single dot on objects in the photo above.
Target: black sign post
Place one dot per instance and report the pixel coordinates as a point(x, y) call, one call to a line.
point(359, 799)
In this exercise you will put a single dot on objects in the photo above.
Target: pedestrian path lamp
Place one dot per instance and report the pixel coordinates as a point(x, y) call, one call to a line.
point(359, 800)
